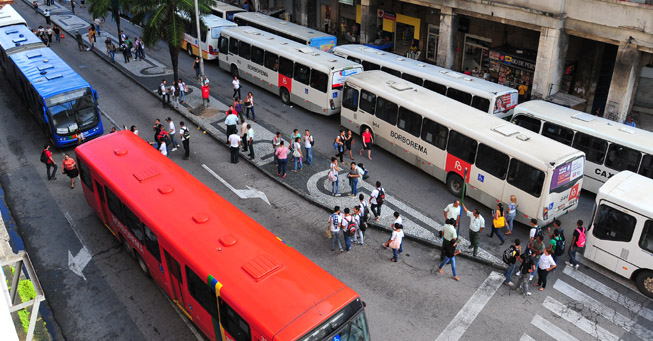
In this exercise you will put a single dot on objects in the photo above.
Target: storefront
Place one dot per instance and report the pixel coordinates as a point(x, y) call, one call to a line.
point(350, 20)
point(476, 55)
point(432, 43)
point(402, 30)
point(512, 67)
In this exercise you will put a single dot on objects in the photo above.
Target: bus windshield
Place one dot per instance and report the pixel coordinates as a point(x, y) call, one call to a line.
point(349, 324)
point(566, 175)
point(72, 110)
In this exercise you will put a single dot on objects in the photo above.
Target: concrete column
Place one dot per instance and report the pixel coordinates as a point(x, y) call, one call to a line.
point(627, 68)
point(303, 13)
point(369, 29)
point(550, 62)
point(447, 38)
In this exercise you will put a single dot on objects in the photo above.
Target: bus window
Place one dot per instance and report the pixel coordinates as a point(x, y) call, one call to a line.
point(462, 146)
point(285, 67)
point(115, 205)
point(530, 123)
point(367, 66)
point(233, 323)
point(354, 59)
point(85, 175)
point(622, 158)
point(613, 224)
point(350, 98)
point(412, 79)
point(492, 161)
point(271, 61)
point(646, 240)
point(480, 103)
point(459, 96)
point(233, 46)
point(368, 102)
point(387, 110)
point(319, 81)
point(152, 243)
point(593, 147)
point(435, 134)
point(645, 169)
point(203, 35)
point(258, 55)
point(302, 73)
point(201, 292)
point(223, 45)
point(526, 178)
point(391, 71)
point(245, 50)
point(133, 224)
point(409, 121)
point(439, 88)
point(558, 133)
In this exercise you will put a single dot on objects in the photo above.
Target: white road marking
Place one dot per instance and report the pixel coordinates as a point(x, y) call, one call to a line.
point(573, 317)
point(526, 337)
point(78, 263)
point(551, 329)
point(241, 193)
point(630, 304)
point(459, 324)
point(603, 310)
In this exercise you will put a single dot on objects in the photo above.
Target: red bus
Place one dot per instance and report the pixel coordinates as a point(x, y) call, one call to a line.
point(232, 277)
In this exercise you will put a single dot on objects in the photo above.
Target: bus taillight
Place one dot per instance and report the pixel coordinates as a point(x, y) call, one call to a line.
point(210, 49)
point(333, 105)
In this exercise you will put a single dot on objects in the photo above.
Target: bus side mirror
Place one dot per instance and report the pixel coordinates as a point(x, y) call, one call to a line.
point(95, 95)
point(45, 115)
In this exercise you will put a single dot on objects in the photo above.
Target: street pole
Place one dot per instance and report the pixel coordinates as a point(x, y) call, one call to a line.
point(199, 49)
point(462, 199)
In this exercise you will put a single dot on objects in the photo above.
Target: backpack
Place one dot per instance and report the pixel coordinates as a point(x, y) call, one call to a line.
point(560, 247)
point(539, 232)
point(351, 227)
point(581, 238)
point(312, 140)
point(44, 158)
point(185, 133)
point(510, 255)
point(159, 91)
point(380, 198)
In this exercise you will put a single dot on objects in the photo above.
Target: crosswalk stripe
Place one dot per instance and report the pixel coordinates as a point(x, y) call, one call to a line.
point(632, 306)
point(577, 319)
point(551, 329)
point(526, 337)
point(603, 310)
point(459, 324)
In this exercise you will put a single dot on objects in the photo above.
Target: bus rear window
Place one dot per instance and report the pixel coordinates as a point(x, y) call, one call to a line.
point(613, 224)
point(525, 177)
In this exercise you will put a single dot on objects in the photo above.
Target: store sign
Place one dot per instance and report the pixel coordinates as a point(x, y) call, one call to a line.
point(347, 2)
point(510, 60)
point(387, 15)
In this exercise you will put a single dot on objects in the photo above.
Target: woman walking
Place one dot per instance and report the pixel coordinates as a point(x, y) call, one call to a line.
point(297, 154)
point(499, 222)
point(512, 213)
point(395, 241)
point(545, 265)
point(282, 155)
point(450, 253)
point(333, 176)
point(368, 141)
point(70, 169)
point(339, 145)
point(249, 106)
point(349, 140)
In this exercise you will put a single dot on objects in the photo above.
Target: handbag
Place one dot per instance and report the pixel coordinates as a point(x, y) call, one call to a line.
point(395, 244)
point(296, 153)
point(328, 233)
point(499, 222)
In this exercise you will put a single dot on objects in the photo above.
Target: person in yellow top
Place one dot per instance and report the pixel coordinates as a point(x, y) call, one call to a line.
point(522, 88)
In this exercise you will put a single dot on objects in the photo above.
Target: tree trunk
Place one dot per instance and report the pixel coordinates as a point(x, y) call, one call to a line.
point(174, 58)
point(116, 16)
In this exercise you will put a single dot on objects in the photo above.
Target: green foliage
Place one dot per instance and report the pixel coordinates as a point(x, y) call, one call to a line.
point(27, 293)
point(24, 319)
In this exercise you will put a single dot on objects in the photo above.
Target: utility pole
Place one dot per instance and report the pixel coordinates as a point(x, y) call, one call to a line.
point(199, 48)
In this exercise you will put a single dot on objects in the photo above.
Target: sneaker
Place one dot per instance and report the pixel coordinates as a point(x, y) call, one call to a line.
point(173, 149)
point(577, 266)
point(510, 284)
point(518, 273)
point(567, 262)
point(528, 293)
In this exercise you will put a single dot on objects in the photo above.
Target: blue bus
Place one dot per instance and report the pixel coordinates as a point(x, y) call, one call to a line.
point(60, 100)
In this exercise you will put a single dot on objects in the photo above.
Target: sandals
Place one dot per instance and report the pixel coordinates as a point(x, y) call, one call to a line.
point(456, 278)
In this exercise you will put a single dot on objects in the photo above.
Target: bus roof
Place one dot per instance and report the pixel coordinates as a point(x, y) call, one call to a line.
point(444, 76)
point(18, 37)
point(256, 268)
point(47, 73)
point(312, 57)
point(515, 140)
point(9, 16)
point(630, 190)
point(287, 27)
point(622, 134)
point(211, 20)
point(222, 6)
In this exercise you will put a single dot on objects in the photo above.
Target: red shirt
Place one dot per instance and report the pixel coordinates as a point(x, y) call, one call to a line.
point(367, 137)
point(48, 154)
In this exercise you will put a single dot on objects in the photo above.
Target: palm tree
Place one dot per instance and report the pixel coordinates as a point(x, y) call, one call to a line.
point(164, 19)
point(99, 8)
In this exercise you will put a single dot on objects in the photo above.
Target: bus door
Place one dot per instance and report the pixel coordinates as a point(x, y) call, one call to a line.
point(176, 282)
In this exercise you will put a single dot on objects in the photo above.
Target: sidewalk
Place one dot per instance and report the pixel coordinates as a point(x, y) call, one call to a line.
point(310, 183)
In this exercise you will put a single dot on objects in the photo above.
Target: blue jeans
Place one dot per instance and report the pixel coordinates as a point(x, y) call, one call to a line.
point(334, 186)
point(347, 242)
point(281, 166)
point(174, 141)
point(498, 232)
point(395, 254)
point(182, 96)
point(509, 220)
point(360, 233)
point(113, 56)
point(508, 272)
point(572, 255)
point(301, 165)
point(309, 155)
point(453, 264)
point(253, 113)
point(335, 236)
point(353, 183)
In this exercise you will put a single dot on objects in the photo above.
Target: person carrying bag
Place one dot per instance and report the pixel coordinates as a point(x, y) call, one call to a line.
point(499, 221)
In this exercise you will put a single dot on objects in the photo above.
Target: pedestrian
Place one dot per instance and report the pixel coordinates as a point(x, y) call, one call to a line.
point(334, 227)
point(537, 245)
point(308, 147)
point(452, 211)
point(35, 4)
point(577, 242)
point(556, 227)
point(185, 139)
point(130, 47)
point(80, 42)
point(46, 13)
point(630, 122)
point(250, 141)
point(238, 106)
point(163, 147)
point(134, 130)
point(276, 141)
point(545, 265)
point(282, 157)
point(476, 226)
point(72, 5)
point(172, 132)
point(297, 154)
point(333, 177)
point(511, 259)
point(49, 32)
point(511, 214)
point(163, 92)
point(122, 37)
point(349, 140)
point(182, 91)
point(70, 169)
point(231, 121)
point(395, 241)
point(339, 145)
point(295, 134)
point(498, 222)
point(91, 38)
point(112, 52)
point(234, 146)
point(141, 48)
point(236, 85)
point(243, 135)
point(527, 270)
point(82, 3)
point(361, 212)
point(450, 257)
point(534, 231)
point(46, 157)
point(398, 221)
point(205, 81)
point(137, 50)
point(353, 179)
point(125, 51)
point(57, 33)
point(107, 45)
point(196, 67)
point(348, 228)
point(557, 245)
point(163, 137)
point(174, 93)
point(363, 171)
point(249, 106)
point(377, 198)
point(448, 236)
point(98, 25)
point(368, 141)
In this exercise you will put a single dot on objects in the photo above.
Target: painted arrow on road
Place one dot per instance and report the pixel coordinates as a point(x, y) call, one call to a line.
point(79, 262)
point(242, 193)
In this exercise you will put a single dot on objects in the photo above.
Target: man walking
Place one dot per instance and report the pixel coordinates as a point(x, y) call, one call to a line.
point(234, 146)
point(515, 251)
point(182, 91)
point(231, 120)
point(376, 199)
point(347, 223)
point(360, 212)
point(476, 226)
point(243, 135)
point(163, 92)
point(236, 85)
point(172, 132)
point(448, 236)
point(185, 139)
point(308, 145)
point(250, 141)
point(49, 162)
point(196, 67)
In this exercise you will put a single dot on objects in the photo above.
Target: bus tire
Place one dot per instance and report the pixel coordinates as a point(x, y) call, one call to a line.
point(455, 184)
point(285, 96)
point(234, 70)
point(143, 266)
point(126, 246)
point(645, 282)
point(189, 49)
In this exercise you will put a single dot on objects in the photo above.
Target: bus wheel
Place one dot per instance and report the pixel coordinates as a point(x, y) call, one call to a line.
point(645, 283)
point(143, 266)
point(285, 96)
point(455, 184)
point(189, 49)
point(234, 71)
point(125, 246)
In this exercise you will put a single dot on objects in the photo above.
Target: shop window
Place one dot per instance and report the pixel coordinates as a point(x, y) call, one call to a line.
point(258, 55)
point(622, 158)
point(285, 67)
point(355, 60)
point(593, 147)
point(223, 45)
point(233, 46)
point(492, 161)
point(391, 71)
point(133, 224)
point(232, 323)
point(386, 111)
point(645, 169)
point(480, 103)
point(646, 240)
point(201, 292)
point(115, 205)
point(525, 177)
point(319, 81)
point(85, 174)
point(412, 79)
point(460, 96)
point(462, 146)
point(530, 123)
point(302, 73)
point(152, 243)
point(435, 133)
point(368, 102)
point(271, 61)
point(439, 88)
point(350, 98)
point(245, 50)
point(409, 121)
point(558, 133)
point(367, 66)
point(613, 224)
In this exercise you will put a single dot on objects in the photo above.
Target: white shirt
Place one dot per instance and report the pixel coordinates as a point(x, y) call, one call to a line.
point(297, 146)
point(546, 262)
point(236, 84)
point(163, 88)
point(452, 212)
point(363, 205)
point(172, 90)
point(250, 134)
point(135, 132)
point(307, 141)
point(346, 220)
point(234, 141)
point(449, 232)
point(231, 120)
point(477, 223)
point(163, 149)
point(334, 224)
point(397, 221)
point(171, 128)
point(181, 132)
point(531, 233)
point(243, 129)
point(397, 235)
point(182, 87)
point(374, 194)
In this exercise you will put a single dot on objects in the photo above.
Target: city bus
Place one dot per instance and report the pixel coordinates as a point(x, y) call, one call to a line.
point(610, 147)
point(10, 17)
point(449, 140)
point(16, 38)
point(225, 10)
point(230, 276)
point(300, 74)
point(301, 34)
point(211, 27)
point(61, 101)
point(620, 237)
point(492, 98)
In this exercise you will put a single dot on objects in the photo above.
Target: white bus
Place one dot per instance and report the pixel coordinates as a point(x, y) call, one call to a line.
point(620, 237)
point(443, 137)
point(225, 10)
point(208, 42)
point(483, 95)
point(610, 147)
point(302, 75)
point(301, 34)
point(9, 17)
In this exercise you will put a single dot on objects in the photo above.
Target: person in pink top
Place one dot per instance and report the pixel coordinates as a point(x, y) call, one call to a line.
point(282, 155)
point(367, 143)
